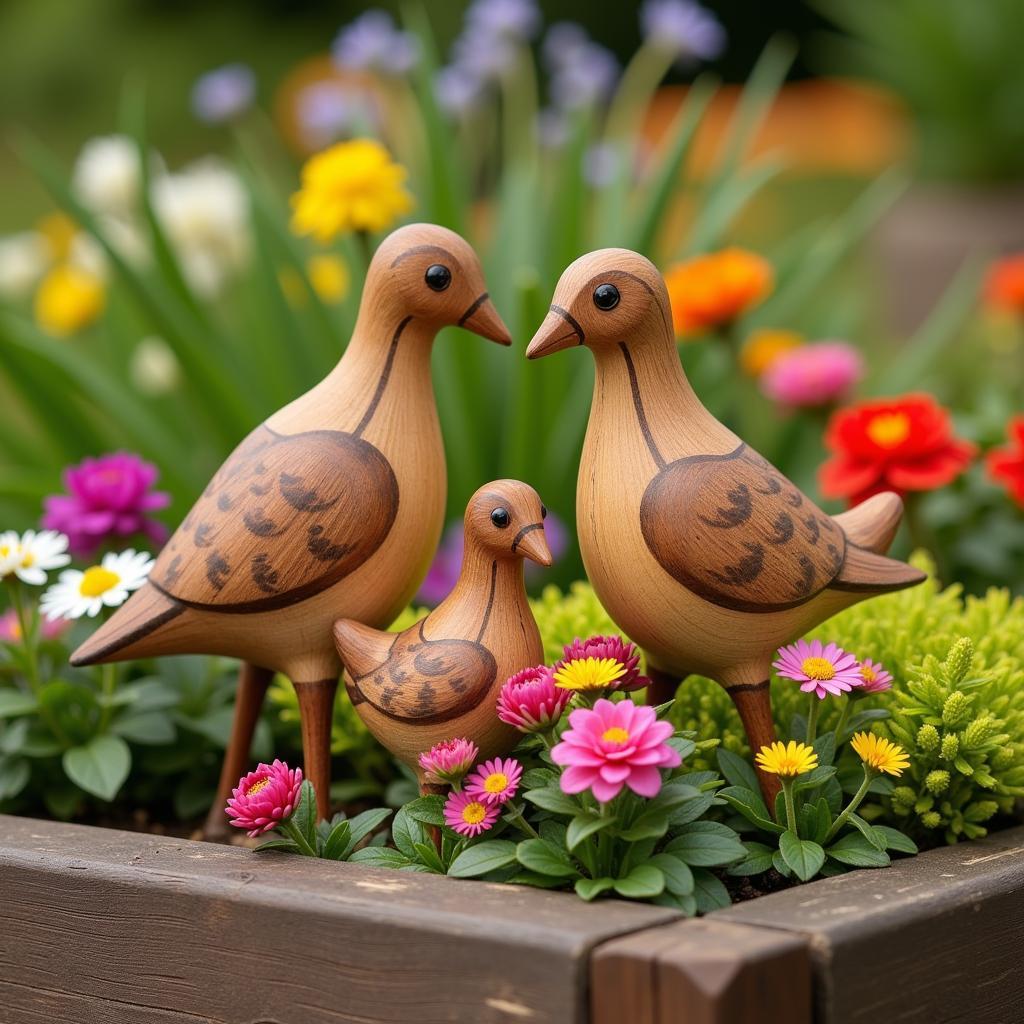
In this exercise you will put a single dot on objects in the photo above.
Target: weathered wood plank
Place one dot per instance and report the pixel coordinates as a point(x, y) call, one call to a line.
point(701, 972)
point(934, 938)
point(105, 926)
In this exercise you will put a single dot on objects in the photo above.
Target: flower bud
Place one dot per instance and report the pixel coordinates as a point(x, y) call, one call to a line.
point(928, 738)
point(958, 661)
point(980, 730)
point(937, 781)
point(903, 796)
point(956, 712)
point(931, 820)
point(950, 746)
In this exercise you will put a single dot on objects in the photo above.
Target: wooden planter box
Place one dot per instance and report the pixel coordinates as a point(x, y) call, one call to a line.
point(105, 926)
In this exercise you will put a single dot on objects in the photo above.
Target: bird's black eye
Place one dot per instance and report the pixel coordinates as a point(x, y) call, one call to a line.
point(606, 296)
point(438, 277)
point(543, 511)
point(500, 518)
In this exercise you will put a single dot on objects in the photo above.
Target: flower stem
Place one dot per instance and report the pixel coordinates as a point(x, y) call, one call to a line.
point(787, 792)
point(28, 623)
point(294, 833)
point(515, 815)
point(812, 718)
point(854, 803)
point(108, 681)
point(844, 717)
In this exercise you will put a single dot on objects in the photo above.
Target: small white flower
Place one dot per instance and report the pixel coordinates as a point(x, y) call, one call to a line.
point(23, 261)
point(107, 176)
point(154, 367)
point(31, 555)
point(105, 585)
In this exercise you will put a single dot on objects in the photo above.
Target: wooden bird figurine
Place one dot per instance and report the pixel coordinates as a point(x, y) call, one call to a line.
point(440, 678)
point(701, 551)
point(332, 507)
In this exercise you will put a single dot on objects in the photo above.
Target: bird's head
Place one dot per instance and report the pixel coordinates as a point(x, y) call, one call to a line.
point(434, 275)
point(506, 519)
point(605, 297)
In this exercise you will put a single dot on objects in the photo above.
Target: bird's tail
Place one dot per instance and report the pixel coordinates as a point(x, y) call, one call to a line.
point(131, 631)
point(360, 647)
point(873, 523)
point(868, 573)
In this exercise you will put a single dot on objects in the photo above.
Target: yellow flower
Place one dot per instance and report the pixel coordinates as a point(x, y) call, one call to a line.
point(794, 759)
point(880, 754)
point(59, 230)
point(589, 673)
point(353, 186)
point(68, 299)
point(763, 347)
point(329, 277)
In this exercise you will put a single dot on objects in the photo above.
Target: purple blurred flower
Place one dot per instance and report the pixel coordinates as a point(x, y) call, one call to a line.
point(600, 164)
point(484, 56)
point(582, 71)
point(327, 111)
point(223, 93)
point(458, 90)
point(813, 375)
point(108, 497)
point(552, 128)
point(373, 43)
point(683, 27)
point(518, 19)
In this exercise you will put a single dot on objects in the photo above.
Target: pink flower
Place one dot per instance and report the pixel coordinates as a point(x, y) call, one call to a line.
point(495, 782)
point(530, 701)
point(264, 798)
point(819, 669)
point(469, 815)
point(449, 760)
point(813, 375)
point(613, 745)
point(874, 678)
point(613, 647)
point(10, 628)
point(109, 497)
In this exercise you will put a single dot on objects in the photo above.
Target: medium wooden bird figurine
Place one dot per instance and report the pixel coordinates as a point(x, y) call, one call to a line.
point(332, 507)
point(701, 551)
point(440, 678)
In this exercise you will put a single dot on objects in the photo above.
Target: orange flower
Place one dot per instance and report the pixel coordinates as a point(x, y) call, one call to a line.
point(711, 291)
point(1004, 283)
point(762, 348)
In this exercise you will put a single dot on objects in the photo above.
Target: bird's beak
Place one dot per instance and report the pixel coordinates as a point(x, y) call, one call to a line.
point(533, 544)
point(558, 331)
point(482, 318)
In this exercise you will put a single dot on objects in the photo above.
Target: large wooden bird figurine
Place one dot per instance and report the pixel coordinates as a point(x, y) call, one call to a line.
point(701, 551)
point(332, 507)
point(440, 678)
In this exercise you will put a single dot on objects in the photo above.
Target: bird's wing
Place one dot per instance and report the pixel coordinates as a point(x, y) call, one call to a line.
point(736, 532)
point(427, 680)
point(284, 518)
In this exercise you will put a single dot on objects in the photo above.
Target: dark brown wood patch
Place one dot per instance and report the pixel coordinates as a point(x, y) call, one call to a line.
point(725, 528)
point(282, 520)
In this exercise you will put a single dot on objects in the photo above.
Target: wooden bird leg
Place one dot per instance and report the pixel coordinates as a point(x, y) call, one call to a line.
point(754, 705)
point(252, 689)
point(316, 710)
point(663, 686)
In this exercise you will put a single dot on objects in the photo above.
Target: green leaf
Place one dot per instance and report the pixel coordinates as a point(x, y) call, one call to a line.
point(737, 771)
point(822, 820)
point(802, 856)
point(482, 858)
point(706, 844)
point(642, 883)
point(749, 803)
point(825, 748)
point(428, 855)
point(337, 842)
point(780, 865)
point(691, 810)
point(14, 776)
point(13, 703)
point(813, 779)
point(545, 859)
point(428, 809)
point(678, 876)
point(896, 840)
point(406, 831)
point(72, 708)
point(286, 845)
point(709, 891)
point(150, 728)
point(366, 822)
point(99, 766)
point(551, 798)
point(380, 857)
point(649, 825)
point(537, 881)
point(875, 839)
point(305, 814)
point(584, 825)
point(757, 861)
point(589, 888)
point(539, 778)
point(855, 850)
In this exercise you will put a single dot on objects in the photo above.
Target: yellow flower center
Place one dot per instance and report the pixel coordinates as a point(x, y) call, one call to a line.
point(28, 560)
point(496, 782)
point(888, 429)
point(818, 668)
point(474, 813)
point(867, 674)
point(97, 581)
point(5, 550)
point(616, 734)
point(257, 786)
point(589, 674)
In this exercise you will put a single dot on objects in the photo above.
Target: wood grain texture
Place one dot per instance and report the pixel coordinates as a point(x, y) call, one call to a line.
point(701, 972)
point(934, 938)
point(440, 678)
point(699, 549)
point(105, 927)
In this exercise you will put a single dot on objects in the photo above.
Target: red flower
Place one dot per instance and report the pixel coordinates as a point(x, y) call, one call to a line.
point(891, 444)
point(1006, 465)
point(1004, 283)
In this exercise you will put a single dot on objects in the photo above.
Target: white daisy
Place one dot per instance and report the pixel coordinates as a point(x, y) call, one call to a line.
point(31, 555)
point(105, 585)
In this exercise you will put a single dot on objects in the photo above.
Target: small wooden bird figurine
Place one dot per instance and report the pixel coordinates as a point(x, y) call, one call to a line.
point(334, 506)
point(701, 551)
point(440, 678)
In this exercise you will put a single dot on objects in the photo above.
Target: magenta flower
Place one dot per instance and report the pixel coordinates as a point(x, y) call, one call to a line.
point(530, 701)
point(819, 669)
point(813, 375)
point(614, 745)
point(265, 798)
point(495, 782)
point(874, 678)
point(10, 628)
point(469, 815)
point(448, 761)
point(108, 497)
point(614, 647)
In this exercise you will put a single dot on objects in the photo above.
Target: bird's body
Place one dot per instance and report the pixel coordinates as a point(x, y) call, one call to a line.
point(701, 551)
point(440, 678)
point(333, 506)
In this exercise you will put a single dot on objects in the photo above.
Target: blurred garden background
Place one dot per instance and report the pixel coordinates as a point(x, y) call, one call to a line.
point(834, 190)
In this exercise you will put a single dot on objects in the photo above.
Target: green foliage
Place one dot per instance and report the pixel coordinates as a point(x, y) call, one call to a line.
point(562, 617)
